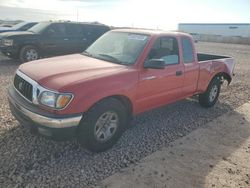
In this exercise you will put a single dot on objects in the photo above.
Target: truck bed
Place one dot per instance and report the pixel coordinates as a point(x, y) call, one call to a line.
point(206, 57)
point(210, 64)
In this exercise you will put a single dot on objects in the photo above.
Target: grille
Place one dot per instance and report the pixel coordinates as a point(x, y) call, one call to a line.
point(24, 87)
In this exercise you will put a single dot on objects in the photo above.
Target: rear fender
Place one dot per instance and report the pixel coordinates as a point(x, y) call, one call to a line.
point(211, 69)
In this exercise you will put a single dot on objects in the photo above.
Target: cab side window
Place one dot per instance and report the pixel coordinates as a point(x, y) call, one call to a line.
point(165, 48)
point(187, 50)
point(87, 31)
point(56, 30)
point(73, 29)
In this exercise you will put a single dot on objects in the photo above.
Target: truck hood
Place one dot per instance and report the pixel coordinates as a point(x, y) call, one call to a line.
point(59, 72)
point(15, 33)
point(2, 29)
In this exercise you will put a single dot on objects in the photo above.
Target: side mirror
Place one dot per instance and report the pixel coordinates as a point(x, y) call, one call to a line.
point(155, 64)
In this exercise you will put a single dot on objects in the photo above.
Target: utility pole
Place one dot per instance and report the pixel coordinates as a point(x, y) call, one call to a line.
point(77, 14)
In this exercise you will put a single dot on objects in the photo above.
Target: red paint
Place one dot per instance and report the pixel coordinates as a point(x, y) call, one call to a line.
point(91, 80)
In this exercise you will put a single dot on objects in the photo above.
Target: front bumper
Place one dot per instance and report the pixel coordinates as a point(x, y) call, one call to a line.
point(10, 51)
point(50, 125)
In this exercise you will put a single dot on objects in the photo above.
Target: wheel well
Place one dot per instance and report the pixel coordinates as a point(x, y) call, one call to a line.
point(124, 100)
point(223, 76)
point(36, 46)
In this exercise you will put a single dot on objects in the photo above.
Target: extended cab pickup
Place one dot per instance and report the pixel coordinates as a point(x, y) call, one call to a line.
point(93, 95)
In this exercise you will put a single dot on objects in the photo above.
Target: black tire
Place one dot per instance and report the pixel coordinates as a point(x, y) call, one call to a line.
point(210, 97)
point(87, 135)
point(24, 53)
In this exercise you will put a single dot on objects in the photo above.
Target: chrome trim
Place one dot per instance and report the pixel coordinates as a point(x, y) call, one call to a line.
point(41, 89)
point(21, 94)
point(50, 122)
point(34, 84)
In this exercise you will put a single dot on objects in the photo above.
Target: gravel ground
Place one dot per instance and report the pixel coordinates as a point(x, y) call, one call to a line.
point(33, 161)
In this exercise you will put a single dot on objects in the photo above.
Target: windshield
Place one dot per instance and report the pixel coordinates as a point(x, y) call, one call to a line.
point(18, 26)
point(118, 47)
point(38, 28)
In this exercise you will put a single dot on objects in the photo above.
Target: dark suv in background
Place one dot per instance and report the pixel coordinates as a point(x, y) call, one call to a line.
point(49, 39)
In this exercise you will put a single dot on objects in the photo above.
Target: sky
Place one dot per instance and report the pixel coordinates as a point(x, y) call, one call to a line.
point(154, 14)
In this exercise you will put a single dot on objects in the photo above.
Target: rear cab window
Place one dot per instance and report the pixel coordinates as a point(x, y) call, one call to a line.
point(165, 48)
point(187, 50)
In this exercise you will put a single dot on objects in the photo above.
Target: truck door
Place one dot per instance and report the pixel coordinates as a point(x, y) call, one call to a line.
point(77, 35)
point(161, 86)
point(191, 67)
point(54, 39)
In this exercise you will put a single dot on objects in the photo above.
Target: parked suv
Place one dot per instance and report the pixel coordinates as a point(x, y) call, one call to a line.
point(50, 38)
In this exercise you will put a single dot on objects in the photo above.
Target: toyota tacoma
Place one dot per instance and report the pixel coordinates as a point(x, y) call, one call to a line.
point(93, 96)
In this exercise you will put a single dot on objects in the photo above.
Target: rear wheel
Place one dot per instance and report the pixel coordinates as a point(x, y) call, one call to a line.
point(210, 97)
point(29, 53)
point(103, 125)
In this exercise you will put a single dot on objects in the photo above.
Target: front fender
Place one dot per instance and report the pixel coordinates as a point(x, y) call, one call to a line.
point(89, 93)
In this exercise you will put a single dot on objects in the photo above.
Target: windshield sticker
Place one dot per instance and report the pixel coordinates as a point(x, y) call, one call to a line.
point(136, 37)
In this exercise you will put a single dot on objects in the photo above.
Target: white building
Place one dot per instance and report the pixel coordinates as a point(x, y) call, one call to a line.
point(220, 29)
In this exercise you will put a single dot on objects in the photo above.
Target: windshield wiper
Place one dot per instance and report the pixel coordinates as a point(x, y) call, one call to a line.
point(87, 54)
point(113, 59)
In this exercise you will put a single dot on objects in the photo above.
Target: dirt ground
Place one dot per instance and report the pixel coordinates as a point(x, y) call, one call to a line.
point(216, 155)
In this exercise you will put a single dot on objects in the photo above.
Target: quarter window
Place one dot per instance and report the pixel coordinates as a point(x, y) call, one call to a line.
point(187, 49)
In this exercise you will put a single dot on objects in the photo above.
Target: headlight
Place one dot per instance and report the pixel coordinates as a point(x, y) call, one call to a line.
point(55, 100)
point(7, 42)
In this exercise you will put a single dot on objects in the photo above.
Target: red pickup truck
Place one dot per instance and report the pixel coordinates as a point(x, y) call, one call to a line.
point(93, 95)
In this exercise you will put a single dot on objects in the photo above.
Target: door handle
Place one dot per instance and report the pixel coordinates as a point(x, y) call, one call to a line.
point(66, 39)
point(149, 78)
point(178, 73)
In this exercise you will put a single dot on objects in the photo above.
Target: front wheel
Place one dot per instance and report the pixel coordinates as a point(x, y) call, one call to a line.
point(102, 125)
point(210, 97)
point(29, 53)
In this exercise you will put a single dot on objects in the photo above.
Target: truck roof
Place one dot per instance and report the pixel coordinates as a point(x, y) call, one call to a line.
point(73, 22)
point(152, 32)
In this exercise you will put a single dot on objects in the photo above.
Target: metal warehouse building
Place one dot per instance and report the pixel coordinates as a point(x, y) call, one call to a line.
point(221, 32)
